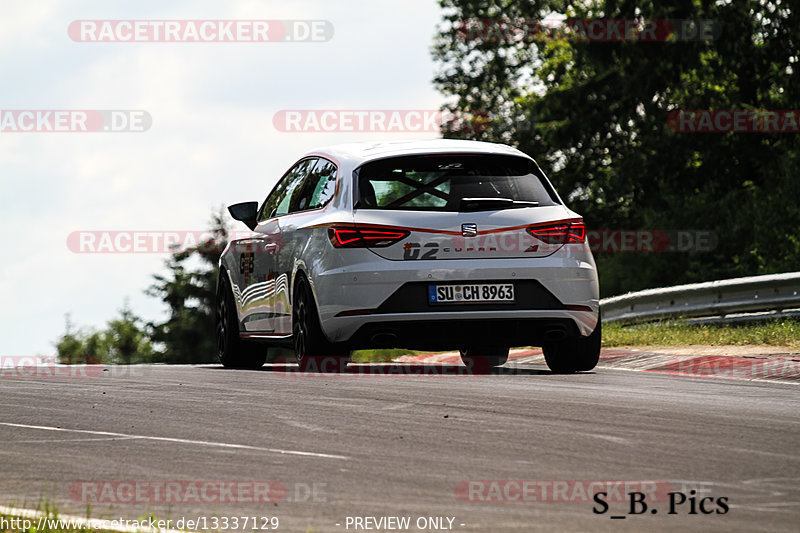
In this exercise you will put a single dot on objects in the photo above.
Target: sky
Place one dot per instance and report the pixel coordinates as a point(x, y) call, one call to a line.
point(212, 141)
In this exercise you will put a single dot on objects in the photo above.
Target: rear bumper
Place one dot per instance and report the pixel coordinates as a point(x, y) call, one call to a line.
point(357, 300)
point(448, 333)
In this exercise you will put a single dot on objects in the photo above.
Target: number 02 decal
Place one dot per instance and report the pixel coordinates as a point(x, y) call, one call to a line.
point(412, 250)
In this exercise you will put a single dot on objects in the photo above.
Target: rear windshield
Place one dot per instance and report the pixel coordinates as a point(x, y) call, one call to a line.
point(452, 183)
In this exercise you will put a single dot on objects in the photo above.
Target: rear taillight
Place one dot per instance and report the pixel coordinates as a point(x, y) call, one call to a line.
point(559, 232)
point(365, 236)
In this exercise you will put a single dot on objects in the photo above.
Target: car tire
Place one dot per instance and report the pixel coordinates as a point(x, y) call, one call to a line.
point(578, 354)
point(481, 359)
point(312, 349)
point(232, 350)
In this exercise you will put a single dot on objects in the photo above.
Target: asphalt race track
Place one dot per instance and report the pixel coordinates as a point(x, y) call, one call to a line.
point(418, 446)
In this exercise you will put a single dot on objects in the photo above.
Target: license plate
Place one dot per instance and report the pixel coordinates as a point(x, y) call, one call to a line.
point(472, 293)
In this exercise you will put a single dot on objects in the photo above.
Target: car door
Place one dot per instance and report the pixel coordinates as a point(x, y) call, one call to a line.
point(314, 193)
point(262, 307)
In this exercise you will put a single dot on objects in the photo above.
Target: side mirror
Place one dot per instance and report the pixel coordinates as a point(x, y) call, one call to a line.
point(245, 212)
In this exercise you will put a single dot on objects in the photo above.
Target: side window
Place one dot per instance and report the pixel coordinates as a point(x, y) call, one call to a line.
point(277, 203)
point(318, 188)
point(325, 185)
point(296, 177)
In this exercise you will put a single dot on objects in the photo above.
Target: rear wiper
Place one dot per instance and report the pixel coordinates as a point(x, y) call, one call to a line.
point(485, 204)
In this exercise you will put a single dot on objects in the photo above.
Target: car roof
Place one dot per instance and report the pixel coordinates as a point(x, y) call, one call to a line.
point(360, 152)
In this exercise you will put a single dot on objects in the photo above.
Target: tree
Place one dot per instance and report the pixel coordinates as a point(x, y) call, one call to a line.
point(595, 115)
point(122, 342)
point(82, 346)
point(128, 341)
point(95, 348)
point(70, 347)
point(189, 292)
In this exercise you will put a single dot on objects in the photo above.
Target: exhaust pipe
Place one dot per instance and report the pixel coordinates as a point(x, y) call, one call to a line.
point(555, 334)
point(385, 338)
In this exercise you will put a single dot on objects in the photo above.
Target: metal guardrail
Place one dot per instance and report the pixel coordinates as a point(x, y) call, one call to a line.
point(775, 293)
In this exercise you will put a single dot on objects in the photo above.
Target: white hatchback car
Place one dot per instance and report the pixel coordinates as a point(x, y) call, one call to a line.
point(427, 245)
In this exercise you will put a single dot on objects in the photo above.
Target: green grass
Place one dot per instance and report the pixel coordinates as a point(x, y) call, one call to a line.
point(380, 356)
point(784, 332)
